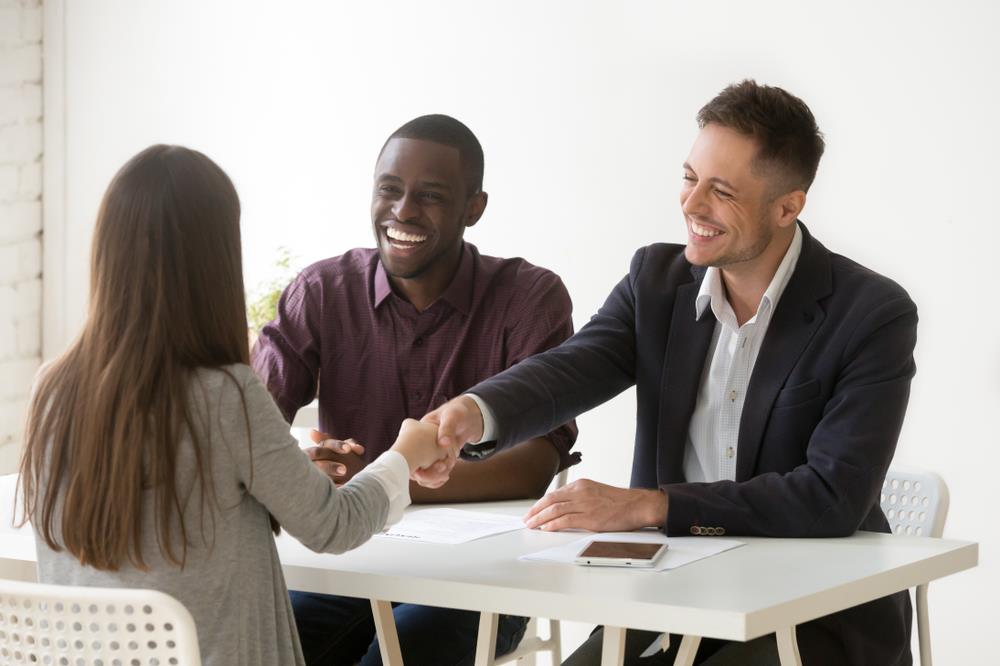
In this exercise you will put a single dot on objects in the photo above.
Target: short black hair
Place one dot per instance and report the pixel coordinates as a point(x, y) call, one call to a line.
point(781, 123)
point(447, 131)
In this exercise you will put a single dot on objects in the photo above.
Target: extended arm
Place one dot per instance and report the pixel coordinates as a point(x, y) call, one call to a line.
point(269, 464)
point(550, 388)
point(524, 470)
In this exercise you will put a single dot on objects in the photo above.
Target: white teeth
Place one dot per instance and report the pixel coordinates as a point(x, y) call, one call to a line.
point(704, 232)
point(396, 234)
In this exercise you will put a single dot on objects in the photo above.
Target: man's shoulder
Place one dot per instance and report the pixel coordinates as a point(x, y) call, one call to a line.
point(661, 265)
point(517, 276)
point(862, 285)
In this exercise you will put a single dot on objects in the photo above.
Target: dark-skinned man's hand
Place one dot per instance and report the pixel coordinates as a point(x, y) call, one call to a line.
point(338, 459)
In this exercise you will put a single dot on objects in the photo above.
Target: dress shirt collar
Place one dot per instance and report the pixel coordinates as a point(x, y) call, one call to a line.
point(712, 291)
point(458, 293)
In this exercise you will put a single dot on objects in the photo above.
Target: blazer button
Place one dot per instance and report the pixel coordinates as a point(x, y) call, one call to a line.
point(695, 530)
point(721, 531)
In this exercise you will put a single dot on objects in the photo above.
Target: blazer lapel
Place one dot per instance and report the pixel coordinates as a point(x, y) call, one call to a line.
point(796, 319)
point(684, 360)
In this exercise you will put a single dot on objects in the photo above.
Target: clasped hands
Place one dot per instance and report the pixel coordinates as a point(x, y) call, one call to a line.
point(430, 463)
point(431, 446)
point(433, 442)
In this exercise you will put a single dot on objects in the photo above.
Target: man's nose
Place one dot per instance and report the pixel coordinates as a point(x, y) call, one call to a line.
point(406, 207)
point(693, 200)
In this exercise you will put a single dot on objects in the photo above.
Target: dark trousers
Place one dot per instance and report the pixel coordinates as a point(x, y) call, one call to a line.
point(760, 652)
point(340, 631)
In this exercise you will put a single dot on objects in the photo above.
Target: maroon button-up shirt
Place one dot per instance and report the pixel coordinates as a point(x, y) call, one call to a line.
point(376, 360)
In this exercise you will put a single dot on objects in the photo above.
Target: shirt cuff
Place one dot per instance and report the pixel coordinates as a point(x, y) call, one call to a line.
point(489, 421)
point(392, 472)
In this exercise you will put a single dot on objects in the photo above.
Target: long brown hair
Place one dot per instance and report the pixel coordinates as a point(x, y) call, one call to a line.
point(106, 418)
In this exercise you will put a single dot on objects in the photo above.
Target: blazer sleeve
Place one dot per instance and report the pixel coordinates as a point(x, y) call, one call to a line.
point(546, 390)
point(847, 455)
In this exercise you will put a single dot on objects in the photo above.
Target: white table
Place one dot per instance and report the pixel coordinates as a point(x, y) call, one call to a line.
point(767, 586)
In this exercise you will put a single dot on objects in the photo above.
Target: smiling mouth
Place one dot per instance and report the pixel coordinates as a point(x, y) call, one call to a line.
point(702, 231)
point(403, 240)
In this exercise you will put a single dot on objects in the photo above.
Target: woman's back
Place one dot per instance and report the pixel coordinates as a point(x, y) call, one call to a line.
point(231, 581)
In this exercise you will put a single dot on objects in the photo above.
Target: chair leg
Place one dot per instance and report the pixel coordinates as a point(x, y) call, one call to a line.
point(923, 626)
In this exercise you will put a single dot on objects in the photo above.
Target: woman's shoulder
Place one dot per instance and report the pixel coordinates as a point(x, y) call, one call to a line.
point(233, 388)
point(225, 384)
point(235, 376)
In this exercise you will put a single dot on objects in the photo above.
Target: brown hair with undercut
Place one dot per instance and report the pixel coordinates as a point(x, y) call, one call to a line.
point(790, 143)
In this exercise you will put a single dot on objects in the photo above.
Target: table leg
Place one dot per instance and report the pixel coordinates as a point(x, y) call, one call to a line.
point(613, 646)
point(687, 650)
point(788, 647)
point(487, 641)
point(385, 629)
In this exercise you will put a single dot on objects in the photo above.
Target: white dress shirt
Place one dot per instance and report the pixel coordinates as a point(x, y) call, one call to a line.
point(711, 447)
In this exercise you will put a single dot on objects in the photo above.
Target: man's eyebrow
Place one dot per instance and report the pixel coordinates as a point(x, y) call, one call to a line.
point(715, 179)
point(724, 183)
point(424, 183)
point(435, 184)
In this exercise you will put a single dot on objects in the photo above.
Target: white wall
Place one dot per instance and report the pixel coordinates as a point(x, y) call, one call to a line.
point(20, 216)
point(586, 111)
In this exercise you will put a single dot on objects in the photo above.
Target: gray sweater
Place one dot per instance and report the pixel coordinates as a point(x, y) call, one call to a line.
point(232, 582)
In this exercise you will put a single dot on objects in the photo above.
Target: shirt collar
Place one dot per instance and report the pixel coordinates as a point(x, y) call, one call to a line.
point(458, 293)
point(712, 291)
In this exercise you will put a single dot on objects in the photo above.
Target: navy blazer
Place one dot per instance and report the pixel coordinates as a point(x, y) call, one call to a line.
point(820, 420)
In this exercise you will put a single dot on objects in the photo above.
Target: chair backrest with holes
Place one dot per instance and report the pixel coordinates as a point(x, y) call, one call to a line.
point(915, 501)
point(55, 625)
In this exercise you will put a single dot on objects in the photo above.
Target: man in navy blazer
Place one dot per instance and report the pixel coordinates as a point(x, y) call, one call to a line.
point(771, 375)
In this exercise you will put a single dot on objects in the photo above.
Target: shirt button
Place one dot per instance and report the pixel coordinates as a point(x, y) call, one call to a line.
point(419, 395)
point(418, 342)
point(732, 396)
point(730, 452)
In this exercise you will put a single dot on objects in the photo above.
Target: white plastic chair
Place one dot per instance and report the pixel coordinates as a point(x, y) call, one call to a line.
point(532, 643)
point(57, 625)
point(915, 501)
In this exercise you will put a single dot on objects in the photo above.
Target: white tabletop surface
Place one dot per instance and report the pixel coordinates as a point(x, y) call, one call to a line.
point(737, 595)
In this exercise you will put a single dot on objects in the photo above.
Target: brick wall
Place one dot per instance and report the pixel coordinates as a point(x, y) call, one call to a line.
point(20, 216)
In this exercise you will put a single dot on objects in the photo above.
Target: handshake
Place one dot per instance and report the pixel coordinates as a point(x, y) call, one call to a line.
point(430, 445)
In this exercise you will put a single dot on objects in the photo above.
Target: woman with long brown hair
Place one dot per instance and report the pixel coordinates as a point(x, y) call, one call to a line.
point(154, 457)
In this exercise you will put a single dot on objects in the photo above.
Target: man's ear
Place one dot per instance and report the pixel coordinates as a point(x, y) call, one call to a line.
point(788, 206)
point(475, 208)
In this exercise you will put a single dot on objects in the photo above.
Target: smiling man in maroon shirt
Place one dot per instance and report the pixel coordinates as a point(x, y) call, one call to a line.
point(383, 334)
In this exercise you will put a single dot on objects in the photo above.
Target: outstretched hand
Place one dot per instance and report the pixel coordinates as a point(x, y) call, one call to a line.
point(457, 422)
point(429, 462)
point(589, 505)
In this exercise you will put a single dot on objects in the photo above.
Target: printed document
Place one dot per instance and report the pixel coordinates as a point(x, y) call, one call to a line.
point(450, 526)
